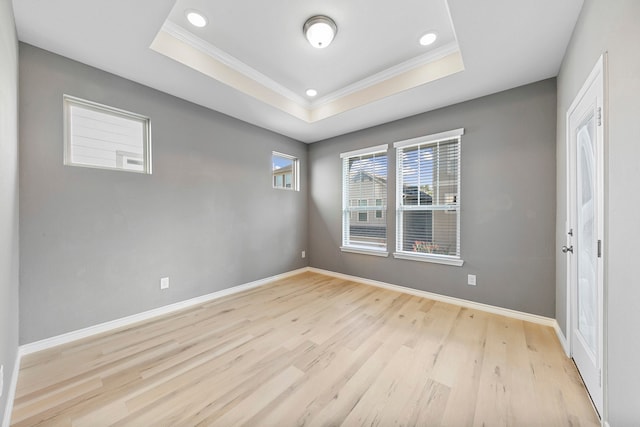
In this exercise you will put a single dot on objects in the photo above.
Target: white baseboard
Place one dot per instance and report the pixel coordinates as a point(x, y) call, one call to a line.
point(129, 320)
point(563, 340)
point(11, 393)
point(135, 318)
point(534, 318)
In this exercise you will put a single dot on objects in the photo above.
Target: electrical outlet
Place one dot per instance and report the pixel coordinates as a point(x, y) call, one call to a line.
point(1, 379)
point(304, 254)
point(471, 279)
point(164, 283)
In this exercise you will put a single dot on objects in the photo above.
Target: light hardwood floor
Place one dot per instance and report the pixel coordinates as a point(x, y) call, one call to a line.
point(309, 350)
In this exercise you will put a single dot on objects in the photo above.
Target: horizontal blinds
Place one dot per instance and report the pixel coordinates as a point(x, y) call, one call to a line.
point(429, 198)
point(365, 200)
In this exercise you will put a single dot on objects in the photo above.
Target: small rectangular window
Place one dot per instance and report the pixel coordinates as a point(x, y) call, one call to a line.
point(428, 198)
point(284, 171)
point(363, 216)
point(378, 212)
point(364, 198)
point(100, 136)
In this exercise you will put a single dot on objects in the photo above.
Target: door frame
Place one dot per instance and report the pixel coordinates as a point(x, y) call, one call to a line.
point(598, 71)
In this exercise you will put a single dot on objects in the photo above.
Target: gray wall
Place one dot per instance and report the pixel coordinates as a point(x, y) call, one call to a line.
point(611, 26)
point(8, 196)
point(507, 201)
point(95, 243)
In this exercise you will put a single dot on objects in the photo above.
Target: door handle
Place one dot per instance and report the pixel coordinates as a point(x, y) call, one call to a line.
point(567, 249)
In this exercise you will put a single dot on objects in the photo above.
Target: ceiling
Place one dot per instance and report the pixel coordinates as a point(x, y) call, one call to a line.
point(252, 61)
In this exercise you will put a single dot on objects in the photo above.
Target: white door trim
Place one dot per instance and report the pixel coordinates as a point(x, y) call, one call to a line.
point(599, 71)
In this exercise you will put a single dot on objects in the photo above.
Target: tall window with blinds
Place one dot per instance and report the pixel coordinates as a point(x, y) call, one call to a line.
point(428, 198)
point(364, 201)
point(104, 137)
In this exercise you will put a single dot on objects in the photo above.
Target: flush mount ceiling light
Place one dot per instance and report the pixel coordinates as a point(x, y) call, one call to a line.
point(428, 38)
point(311, 93)
point(196, 18)
point(320, 31)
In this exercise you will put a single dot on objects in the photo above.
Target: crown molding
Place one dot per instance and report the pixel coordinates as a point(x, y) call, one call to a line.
point(231, 61)
point(174, 41)
point(389, 73)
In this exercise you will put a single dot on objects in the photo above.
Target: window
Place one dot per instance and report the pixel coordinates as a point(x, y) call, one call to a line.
point(99, 136)
point(428, 198)
point(364, 191)
point(363, 216)
point(284, 171)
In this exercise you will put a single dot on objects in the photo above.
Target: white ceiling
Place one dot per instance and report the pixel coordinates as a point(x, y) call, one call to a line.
point(268, 37)
point(253, 63)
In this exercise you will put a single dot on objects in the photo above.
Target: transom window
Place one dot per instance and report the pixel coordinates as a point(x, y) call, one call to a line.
point(100, 136)
point(364, 201)
point(428, 198)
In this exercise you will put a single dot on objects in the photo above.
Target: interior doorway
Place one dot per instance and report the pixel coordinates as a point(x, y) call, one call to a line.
point(585, 231)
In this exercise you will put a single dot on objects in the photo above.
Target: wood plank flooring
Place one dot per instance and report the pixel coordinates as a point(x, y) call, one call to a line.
point(309, 350)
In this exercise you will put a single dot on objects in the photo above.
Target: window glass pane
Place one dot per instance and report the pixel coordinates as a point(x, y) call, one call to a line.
point(365, 199)
point(428, 179)
point(284, 171)
point(432, 232)
point(104, 137)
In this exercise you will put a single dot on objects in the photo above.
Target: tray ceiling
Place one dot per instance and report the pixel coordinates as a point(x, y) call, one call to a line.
point(252, 61)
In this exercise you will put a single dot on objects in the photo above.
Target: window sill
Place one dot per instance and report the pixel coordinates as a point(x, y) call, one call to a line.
point(429, 258)
point(364, 251)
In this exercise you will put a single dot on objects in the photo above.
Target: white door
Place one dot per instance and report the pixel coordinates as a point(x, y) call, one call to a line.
point(585, 135)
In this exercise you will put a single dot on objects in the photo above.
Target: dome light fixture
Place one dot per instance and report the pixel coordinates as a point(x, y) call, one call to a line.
point(428, 39)
point(320, 31)
point(196, 18)
point(311, 93)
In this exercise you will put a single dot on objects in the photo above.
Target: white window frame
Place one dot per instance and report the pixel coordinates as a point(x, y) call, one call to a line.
point(295, 172)
point(123, 158)
point(400, 208)
point(346, 212)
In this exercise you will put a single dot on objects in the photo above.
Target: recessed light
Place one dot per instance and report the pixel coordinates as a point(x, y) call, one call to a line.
point(311, 92)
point(196, 18)
point(428, 39)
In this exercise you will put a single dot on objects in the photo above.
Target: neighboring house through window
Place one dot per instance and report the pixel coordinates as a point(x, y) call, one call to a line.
point(428, 198)
point(364, 201)
point(284, 171)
